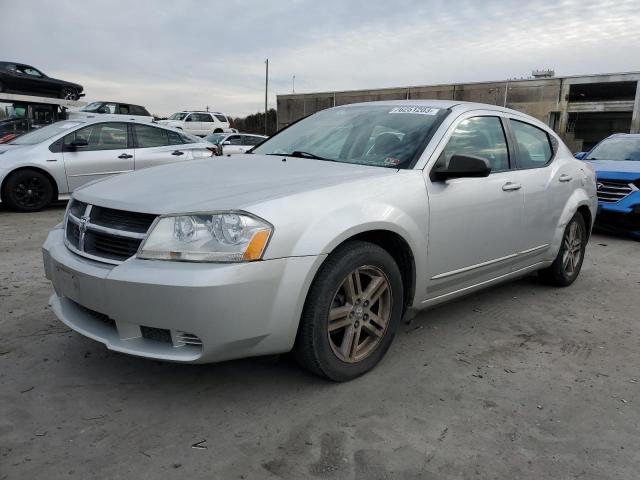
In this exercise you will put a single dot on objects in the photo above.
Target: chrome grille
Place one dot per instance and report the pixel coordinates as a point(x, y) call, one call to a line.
point(612, 192)
point(105, 234)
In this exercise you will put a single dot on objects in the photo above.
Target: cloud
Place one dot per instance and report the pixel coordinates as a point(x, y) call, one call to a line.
point(176, 55)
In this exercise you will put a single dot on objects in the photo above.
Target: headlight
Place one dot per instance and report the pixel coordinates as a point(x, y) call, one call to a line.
point(207, 237)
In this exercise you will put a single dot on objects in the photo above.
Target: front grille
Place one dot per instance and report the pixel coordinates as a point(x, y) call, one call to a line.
point(110, 246)
point(612, 192)
point(121, 220)
point(105, 234)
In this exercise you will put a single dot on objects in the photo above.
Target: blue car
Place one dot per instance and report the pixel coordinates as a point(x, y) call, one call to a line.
point(617, 163)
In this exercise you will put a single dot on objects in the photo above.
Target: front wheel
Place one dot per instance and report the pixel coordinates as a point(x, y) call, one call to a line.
point(567, 265)
point(352, 312)
point(27, 191)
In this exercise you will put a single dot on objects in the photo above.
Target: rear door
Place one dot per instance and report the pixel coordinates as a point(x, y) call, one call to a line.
point(546, 185)
point(473, 222)
point(109, 151)
point(157, 146)
point(206, 123)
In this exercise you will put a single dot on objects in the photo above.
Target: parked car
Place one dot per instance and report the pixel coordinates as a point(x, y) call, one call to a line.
point(616, 160)
point(49, 163)
point(233, 144)
point(199, 123)
point(317, 242)
point(135, 112)
point(21, 78)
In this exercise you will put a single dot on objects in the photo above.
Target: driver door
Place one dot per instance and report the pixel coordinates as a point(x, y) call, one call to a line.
point(473, 222)
point(109, 151)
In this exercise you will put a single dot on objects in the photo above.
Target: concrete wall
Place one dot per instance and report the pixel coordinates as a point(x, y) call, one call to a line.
point(545, 99)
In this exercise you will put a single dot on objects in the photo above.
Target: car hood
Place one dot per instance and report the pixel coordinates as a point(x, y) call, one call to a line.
point(614, 169)
point(220, 183)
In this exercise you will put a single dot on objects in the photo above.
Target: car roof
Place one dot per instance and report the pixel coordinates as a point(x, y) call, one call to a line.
point(458, 105)
point(627, 135)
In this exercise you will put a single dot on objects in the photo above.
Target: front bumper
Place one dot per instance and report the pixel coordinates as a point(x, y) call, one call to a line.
point(622, 216)
point(185, 312)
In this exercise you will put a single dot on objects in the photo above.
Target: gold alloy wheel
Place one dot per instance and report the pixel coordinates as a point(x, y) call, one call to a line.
point(360, 313)
point(572, 244)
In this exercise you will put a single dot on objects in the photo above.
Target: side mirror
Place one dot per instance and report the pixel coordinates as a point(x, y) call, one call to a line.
point(78, 142)
point(226, 142)
point(580, 155)
point(463, 166)
point(188, 119)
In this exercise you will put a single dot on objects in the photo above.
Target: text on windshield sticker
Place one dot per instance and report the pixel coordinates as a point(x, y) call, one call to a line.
point(416, 110)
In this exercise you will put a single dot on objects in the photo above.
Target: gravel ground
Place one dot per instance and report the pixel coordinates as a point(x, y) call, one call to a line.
point(519, 381)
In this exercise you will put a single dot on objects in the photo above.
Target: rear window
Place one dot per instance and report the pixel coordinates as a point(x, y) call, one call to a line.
point(534, 147)
point(150, 136)
point(221, 118)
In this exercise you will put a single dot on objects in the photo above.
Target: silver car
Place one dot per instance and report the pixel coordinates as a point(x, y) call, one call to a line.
point(322, 238)
point(234, 143)
point(49, 163)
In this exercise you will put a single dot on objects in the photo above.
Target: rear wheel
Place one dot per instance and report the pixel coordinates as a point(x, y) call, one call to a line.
point(352, 312)
point(567, 265)
point(69, 93)
point(27, 191)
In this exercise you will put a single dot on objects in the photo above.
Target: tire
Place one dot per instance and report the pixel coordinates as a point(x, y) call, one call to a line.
point(334, 348)
point(27, 191)
point(69, 93)
point(566, 267)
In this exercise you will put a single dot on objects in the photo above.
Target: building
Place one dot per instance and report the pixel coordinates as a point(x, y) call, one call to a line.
point(582, 109)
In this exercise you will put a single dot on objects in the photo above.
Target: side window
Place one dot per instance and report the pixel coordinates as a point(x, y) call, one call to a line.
point(204, 117)
point(174, 138)
point(124, 109)
point(235, 140)
point(252, 140)
point(108, 108)
point(480, 136)
point(534, 148)
point(102, 136)
point(221, 118)
point(136, 110)
point(191, 118)
point(151, 136)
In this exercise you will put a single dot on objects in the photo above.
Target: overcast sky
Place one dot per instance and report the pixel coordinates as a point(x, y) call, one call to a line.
point(174, 55)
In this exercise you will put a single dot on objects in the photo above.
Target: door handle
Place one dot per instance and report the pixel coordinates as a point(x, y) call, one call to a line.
point(565, 178)
point(510, 186)
point(125, 155)
point(177, 153)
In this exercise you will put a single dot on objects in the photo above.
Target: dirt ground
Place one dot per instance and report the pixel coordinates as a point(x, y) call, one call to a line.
point(519, 381)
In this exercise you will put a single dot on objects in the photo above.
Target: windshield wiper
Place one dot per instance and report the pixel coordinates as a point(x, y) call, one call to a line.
point(301, 154)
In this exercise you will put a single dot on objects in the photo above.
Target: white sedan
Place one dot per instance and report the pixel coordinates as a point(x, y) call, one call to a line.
point(49, 163)
point(234, 143)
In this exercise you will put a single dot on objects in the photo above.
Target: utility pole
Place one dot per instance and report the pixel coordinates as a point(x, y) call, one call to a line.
point(266, 93)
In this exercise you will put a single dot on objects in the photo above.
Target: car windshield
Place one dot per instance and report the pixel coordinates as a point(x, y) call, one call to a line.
point(616, 148)
point(44, 133)
point(92, 107)
point(216, 138)
point(178, 116)
point(381, 135)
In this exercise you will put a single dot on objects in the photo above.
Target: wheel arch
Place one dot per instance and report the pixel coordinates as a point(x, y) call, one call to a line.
point(396, 246)
point(54, 183)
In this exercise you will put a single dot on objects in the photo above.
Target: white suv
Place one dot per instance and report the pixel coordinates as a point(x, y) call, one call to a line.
point(199, 123)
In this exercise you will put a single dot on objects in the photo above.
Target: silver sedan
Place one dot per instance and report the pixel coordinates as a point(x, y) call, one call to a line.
point(322, 238)
point(49, 163)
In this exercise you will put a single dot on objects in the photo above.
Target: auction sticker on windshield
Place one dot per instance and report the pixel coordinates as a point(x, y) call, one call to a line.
point(416, 110)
